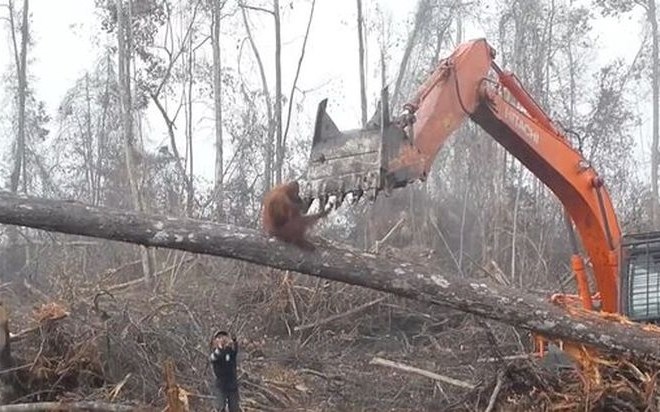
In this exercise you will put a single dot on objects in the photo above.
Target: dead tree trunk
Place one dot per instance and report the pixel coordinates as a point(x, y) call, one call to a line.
point(363, 89)
point(270, 134)
point(421, 16)
point(405, 279)
point(21, 75)
point(217, 103)
point(655, 158)
point(279, 148)
point(13, 258)
point(124, 64)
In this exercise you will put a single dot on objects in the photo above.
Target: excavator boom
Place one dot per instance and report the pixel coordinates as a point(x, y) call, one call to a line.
point(389, 154)
point(392, 153)
point(562, 169)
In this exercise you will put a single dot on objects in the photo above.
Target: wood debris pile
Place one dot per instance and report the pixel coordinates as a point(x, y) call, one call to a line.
point(306, 344)
point(529, 386)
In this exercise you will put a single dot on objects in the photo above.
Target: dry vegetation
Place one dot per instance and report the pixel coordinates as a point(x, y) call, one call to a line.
point(104, 337)
point(90, 329)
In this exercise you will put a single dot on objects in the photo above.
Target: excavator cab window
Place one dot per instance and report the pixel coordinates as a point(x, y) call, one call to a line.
point(640, 277)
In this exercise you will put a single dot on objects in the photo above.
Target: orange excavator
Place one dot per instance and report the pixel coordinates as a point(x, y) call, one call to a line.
point(390, 153)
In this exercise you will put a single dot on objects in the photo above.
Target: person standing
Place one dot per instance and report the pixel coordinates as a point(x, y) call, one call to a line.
point(224, 350)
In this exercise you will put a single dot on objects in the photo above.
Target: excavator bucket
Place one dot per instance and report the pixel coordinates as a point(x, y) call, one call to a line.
point(385, 154)
point(350, 162)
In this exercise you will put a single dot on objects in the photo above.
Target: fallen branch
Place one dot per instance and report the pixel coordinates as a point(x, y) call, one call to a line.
point(505, 358)
point(13, 337)
point(70, 406)
point(406, 279)
point(376, 247)
point(135, 282)
point(496, 392)
point(340, 315)
point(422, 372)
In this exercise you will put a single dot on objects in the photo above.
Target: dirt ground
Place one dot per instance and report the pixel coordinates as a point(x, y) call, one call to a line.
point(117, 334)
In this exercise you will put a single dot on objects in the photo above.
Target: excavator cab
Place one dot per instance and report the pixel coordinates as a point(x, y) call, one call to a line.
point(640, 277)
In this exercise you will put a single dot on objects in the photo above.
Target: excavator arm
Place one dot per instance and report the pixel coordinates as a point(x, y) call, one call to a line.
point(550, 157)
point(392, 153)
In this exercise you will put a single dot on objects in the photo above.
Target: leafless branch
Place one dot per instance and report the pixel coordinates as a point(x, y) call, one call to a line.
point(496, 392)
point(170, 131)
point(422, 372)
point(329, 319)
point(255, 8)
point(269, 107)
point(174, 57)
point(295, 79)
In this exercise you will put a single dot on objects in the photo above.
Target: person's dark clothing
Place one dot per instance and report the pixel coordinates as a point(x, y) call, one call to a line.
point(225, 385)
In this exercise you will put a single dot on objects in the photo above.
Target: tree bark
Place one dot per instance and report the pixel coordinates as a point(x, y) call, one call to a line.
point(363, 88)
point(294, 85)
point(124, 73)
point(88, 144)
point(13, 259)
point(268, 144)
point(405, 279)
point(651, 12)
point(420, 18)
point(217, 96)
point(21, 74)
point(279, 147)
point(70, 406)
point(190, 200)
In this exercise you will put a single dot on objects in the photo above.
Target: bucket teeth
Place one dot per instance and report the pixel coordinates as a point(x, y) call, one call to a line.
point(306, 203)
point(323, 202)
point(351, 162)
point(340, 199)
point(357, 195)
point(336, 199)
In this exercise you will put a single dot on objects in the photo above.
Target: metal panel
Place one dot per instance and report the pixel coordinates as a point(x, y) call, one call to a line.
point(640, 277)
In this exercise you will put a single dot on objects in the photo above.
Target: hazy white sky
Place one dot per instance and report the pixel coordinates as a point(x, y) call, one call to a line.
point(64, 49)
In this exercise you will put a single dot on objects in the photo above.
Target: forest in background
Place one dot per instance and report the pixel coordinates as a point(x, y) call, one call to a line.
point(205, 72)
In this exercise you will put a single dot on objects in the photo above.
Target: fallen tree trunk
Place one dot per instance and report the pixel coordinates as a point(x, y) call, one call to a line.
point(404, 279)
point(69, 406)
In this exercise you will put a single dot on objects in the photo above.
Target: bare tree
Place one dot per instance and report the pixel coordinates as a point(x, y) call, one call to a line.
point(88, 144)
point(275, 126)
point(298, 68)
point(159, 77)
point(190, 79)
point(363, 91)
point(14, 260)
point(421, 18)
point(614, 7)
point(655, 158)
point(131, 155)
point(20, 56)
point(279, 147)
point(217, 100)
point(270, 133)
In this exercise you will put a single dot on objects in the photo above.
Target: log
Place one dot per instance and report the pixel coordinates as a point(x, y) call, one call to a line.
point(428, 374)
point(405, 279)
point(71, 406)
